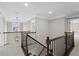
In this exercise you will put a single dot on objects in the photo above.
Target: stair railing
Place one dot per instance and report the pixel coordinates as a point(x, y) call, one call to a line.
point(32, 44)
point(60, 46)
point(69, 41)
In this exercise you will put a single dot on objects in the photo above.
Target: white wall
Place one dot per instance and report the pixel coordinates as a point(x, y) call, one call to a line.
point(52, 28)
point(41, 29)
point(57, 27)
point(26, 26)
point(29, 25)
point(5, 36)
point(2, 29)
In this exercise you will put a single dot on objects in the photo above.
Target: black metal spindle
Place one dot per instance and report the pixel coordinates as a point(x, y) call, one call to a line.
point(21, 39)
point(52, 47)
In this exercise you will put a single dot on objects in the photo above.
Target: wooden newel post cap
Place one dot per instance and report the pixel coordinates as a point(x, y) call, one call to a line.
point(47, 40)
point(47, 37)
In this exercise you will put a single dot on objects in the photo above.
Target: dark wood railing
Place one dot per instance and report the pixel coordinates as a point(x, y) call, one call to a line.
point(51, 45)
point(41, 51)
point(48, 44)
point(25, 47)
point(55, 46)
point(59, 46)
point(36, 41)
point(69, 38)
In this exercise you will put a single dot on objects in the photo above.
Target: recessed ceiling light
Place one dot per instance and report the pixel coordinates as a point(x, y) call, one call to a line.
point(50, 12)
point(26, 4)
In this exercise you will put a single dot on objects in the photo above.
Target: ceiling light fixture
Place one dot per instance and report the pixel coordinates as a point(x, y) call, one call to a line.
point(50, 12)
point(26, 4)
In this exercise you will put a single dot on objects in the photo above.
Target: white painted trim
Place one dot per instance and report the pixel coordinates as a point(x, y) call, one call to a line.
point(34, 16)
point(47, 18)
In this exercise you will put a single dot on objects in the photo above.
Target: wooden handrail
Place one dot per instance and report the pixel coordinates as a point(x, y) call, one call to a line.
point(37, 41)
point(41, 51)
point(57, 38)
point(68, 32)
point(19, 32)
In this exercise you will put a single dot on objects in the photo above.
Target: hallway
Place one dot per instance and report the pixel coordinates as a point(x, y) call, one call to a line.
point(75, 51)
point(51, 20)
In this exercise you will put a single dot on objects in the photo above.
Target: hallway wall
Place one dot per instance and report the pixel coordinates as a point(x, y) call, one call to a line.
point(29, 25)
point(41, 29)
point(26, 26)
point(2, 29)
point(57, 27)
point(46, 27)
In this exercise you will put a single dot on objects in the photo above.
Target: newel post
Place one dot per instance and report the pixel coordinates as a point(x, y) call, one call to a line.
point(73, 38)
point(47, 42)
point(66, 43)
point(27, 45)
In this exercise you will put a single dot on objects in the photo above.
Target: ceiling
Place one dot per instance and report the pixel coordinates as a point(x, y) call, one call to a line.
point(38, 9)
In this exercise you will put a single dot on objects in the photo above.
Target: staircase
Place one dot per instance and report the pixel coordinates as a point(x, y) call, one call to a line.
point(60, 46)
point(32, 47)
